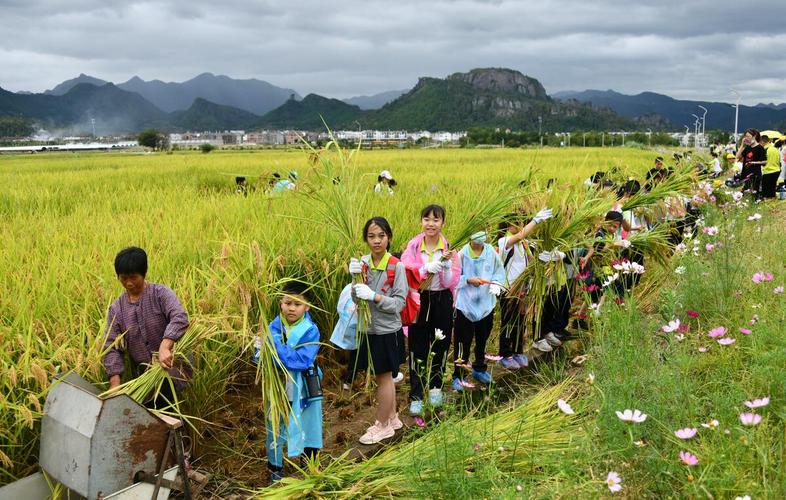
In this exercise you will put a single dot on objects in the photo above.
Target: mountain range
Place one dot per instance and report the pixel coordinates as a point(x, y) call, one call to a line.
point(484, 97)
point(676, 114)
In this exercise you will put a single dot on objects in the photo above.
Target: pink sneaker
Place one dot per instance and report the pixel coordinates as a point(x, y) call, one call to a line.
point(377, 433)
point(395, 423)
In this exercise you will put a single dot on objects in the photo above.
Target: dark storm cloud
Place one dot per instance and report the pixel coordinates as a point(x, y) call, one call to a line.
point(697, 49)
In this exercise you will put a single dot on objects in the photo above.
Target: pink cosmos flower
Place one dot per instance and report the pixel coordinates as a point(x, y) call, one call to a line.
point(583, 275)
point(688, 458)
point(692, 314)
point(758, 403)
point(590, 288)
point(754, 217)
point(750, 419)
point(745, 331)
point(492, 357)
point(711, 230)
point(613, 481)
point(778, 289)
point(702, 349)
point(672, 326)
point(726, 341)
point(709, 247)
point(686, 433)
point(718, 331)
point(464, 383)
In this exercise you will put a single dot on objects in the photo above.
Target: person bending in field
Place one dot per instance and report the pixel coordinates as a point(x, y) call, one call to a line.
point(482, 277)
point(385, 183)
point(385, 291)
point(515, 252)
point(146, 319)
point(296, 339)
point(428, 257)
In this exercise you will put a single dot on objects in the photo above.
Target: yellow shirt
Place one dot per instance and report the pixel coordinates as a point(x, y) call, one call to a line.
point(773, 164)
point(440, 246)
point(383, 263)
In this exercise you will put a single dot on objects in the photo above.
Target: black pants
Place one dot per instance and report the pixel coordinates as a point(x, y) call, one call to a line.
point(436, 312)
point(464, 331)
point(556, 314)
point(511, 327)
point(768, 184)
point(752, 176)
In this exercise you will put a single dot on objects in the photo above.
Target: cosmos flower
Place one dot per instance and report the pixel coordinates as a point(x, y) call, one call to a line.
point(688, 458)
point(758, 403)
point(750, 419)
point(726, 341)
point(438, 334)
point(672, 326)
point(712, 424)
point(565, 407)
point(686, 433)
point(614, 482)
point(632, 416)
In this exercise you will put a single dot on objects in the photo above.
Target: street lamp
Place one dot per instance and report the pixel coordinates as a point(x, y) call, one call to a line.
point(696, 131)
point(703, 124)
point(687, 135)
point(736, 113)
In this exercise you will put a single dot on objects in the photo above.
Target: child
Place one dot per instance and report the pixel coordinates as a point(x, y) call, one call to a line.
point(515, 254)
point(385, 180)
point(427, 254)
point(482, 275)
point(287, 184)
point(296, 339)
point(385, 289)
point(152, 319)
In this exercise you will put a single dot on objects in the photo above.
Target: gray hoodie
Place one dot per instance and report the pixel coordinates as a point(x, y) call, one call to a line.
point(386, 315)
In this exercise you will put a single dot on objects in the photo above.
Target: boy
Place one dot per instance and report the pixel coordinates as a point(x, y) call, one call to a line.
point(152, 319)
point(296, 339)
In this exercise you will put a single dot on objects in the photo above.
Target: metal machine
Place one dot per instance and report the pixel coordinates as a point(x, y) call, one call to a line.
point(102, 448)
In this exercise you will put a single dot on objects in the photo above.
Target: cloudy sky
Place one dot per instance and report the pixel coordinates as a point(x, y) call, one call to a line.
point(687, 49)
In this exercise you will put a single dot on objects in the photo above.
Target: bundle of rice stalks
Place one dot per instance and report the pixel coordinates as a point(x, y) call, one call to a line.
point(679, 183)
point(522, 434)
point(654, 244)
point(576, 214)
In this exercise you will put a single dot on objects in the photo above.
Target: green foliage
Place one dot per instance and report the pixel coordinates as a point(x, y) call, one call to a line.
point(206, 147)
point(151, 138)
point(16, 126)
point(205, 115)
point(309, 113)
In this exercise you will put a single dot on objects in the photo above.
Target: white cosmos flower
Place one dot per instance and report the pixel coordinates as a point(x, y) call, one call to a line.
point(565, 407)
point(438, 334)
point(633, 416)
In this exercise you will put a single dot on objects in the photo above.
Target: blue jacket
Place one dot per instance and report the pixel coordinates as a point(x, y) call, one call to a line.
point(475, 302)
point(298, 353)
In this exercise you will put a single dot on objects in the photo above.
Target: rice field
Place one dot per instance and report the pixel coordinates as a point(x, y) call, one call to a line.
point(64, 218)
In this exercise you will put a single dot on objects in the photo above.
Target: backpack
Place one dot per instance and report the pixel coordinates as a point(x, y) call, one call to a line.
point(412, 304)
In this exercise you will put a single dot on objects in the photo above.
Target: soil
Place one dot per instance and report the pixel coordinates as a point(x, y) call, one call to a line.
point(233, 451)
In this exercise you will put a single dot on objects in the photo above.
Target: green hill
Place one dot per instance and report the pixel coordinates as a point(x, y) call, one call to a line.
point(308, 114)
point(205, 115)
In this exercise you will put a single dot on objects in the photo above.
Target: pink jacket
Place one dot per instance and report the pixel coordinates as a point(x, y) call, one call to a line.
point(414, 261)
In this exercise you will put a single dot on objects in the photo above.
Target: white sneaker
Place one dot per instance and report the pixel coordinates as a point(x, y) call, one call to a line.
point(542, 345)
point(553, 340)
point(435, 397)
point(398, 378)
point(395, 423)
point(377, 433)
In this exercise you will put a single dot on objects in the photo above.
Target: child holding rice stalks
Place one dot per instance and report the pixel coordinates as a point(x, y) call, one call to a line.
point(296, 340)
point(385, 289)
point(515, 253)
point(429, 259)
point(482, 277)
point(146, 318)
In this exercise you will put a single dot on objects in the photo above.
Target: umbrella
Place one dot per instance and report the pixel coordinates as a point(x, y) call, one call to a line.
point(774, 135)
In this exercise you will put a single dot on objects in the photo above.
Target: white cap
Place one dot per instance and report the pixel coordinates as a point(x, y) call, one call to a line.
point(386, 175)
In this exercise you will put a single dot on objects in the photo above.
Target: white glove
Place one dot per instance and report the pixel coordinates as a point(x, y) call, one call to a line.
point(544, 214)
point(364, 292)
point(447, 263)
point(433, 267)
point(552, 256)
point(355, 266)
point(495, 289)
point(625, 243)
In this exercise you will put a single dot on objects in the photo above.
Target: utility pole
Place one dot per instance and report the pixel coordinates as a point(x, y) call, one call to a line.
point(623, 139)
point(93, 122)
point(736, 113)
point(584, 140)
point(540, 130)
point(696, 131)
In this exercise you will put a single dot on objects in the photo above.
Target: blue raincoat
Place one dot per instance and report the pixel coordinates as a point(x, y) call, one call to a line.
point(475, 302)
point(304, 429)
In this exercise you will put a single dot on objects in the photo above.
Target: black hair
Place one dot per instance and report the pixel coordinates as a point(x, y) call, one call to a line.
point(276, 175)
point(765, 138)
point(379, 178)
point(613, 215)
point(550, 182)
point(240, 180)
point(392, 182)
point(659, 159)
point(629, 188)
point(383, 224)
point(295, 288)
point(131, 260)
point(755, 133)
point(434, 211)
point(714, 154)
point(597, 177)
point(523, 184)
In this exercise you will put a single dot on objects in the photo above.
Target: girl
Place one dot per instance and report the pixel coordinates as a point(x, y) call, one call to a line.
point(753, 157)
point(385, 181)
point(482, 276)
point(427, 254)
point(515, 254)
point(385, 289)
